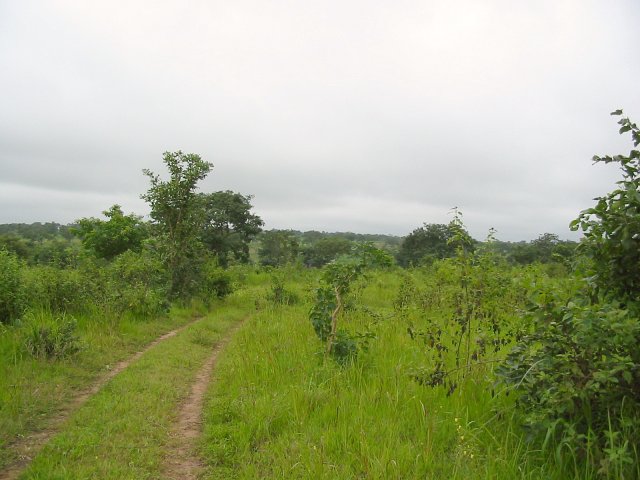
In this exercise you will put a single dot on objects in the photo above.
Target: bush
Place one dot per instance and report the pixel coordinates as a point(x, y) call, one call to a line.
point(216, 281)
point(12, 293)
point(279, 294)
point(54, 337)
point(577, 372)
point(137, 283)
point(58, 290)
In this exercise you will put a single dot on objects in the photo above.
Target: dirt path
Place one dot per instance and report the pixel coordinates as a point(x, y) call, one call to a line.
point(183, 462)
point(28, 447)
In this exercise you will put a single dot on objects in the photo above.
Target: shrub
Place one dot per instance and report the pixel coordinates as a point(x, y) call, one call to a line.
point(55, 337)
point(137, 283)
point(57, 289)
point(12, 293)
point(216, 281)
point(577, 372)
point(279, 294)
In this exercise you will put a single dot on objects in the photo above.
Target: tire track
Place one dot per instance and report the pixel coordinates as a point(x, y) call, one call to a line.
point(183, 461)
point(29, 446)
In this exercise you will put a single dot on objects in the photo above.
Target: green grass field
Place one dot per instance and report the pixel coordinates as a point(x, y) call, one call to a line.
point(276, 406)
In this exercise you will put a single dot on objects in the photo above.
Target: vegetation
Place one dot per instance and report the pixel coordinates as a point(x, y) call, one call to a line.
point(432, 356)
point(229, 225)
point(278, 248)
point(177, 219)
point(578, 368)
point(108, 239)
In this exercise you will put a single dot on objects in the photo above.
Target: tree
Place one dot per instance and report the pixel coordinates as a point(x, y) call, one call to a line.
point(612, 227)
point(278, 248)
point(178, 217)
point(578, 369)
point(325, 250)
point(108, 239)
point(229, 225)
point(425, 243)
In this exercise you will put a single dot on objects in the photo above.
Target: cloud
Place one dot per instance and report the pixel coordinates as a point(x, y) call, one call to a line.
point(365, 116)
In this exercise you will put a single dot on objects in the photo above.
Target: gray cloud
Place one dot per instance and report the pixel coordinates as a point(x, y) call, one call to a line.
point(365, 116)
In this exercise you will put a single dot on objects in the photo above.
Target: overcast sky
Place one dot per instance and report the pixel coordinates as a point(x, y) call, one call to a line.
point(368, 116)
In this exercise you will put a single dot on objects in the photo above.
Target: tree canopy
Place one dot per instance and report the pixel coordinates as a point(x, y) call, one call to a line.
point(177, 216)
point(229, 226)
point(107, 239)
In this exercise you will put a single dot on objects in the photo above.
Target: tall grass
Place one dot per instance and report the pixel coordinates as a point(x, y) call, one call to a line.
point(279, 409)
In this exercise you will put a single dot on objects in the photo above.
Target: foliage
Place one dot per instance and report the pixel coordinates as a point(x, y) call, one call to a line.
point(612, 227)
point(36, 231)
point(216, 281)
point(480, 322)
point(229, 225)
point(278, 248)
point(280, 294)
point(577, 372)
point(12, 242)
point(12, 291)
point(178, 217)
point(426, 244)
point(56, 251)
point(56, 338)
point(58, 290)
point(336, 282)
point(325, 250)
point(137, 284)
point(107, 239)
point(547, 248)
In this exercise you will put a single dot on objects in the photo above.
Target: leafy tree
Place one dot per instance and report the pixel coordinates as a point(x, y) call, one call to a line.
point(107, 239)
point(229, 225)
point(56, 251)
point(178, 217)
point(337, 279)
point(578, 370)
point(612, 227)
point(16, 244)
point(429, 242)
point(325, 250)
point(278, 248)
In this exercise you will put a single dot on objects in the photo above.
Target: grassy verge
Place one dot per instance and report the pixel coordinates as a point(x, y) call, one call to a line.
point(32, 390)
point(279, 410)
point(122, 432)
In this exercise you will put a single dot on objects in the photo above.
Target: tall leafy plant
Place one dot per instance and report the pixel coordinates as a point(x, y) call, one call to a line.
point(336, 282)
point(178, 217)
point(577, 372)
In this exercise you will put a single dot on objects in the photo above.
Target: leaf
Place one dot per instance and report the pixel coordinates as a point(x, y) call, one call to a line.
point(617, 112)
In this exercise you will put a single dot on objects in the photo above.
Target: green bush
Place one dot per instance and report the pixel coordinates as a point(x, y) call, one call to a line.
point(137, 283)
point(577, 371)
point(578, 374)
point(216, 281)
point(58, 289)
point(52, 337)
point(12, 292)
point(281, 295)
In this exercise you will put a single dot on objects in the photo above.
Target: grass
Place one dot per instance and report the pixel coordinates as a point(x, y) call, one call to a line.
point(32, 389)
point(280, 410)
point(277, 408)
point(123, 431)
